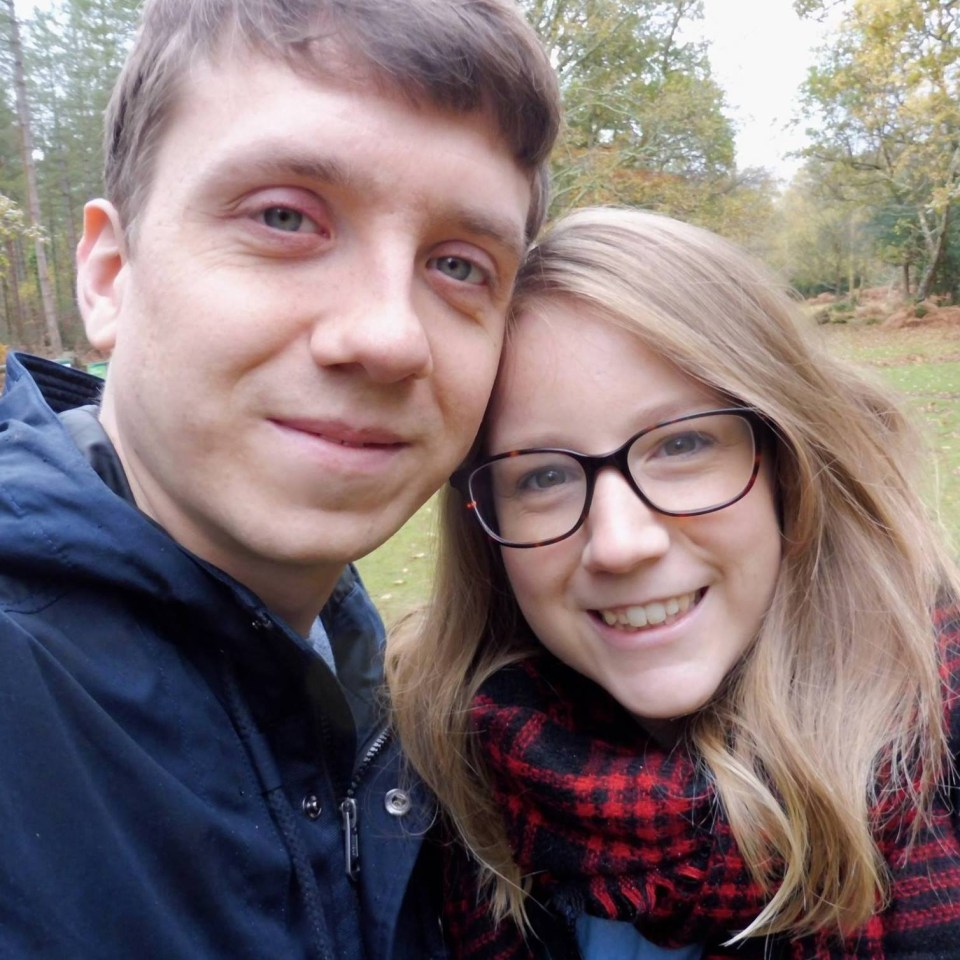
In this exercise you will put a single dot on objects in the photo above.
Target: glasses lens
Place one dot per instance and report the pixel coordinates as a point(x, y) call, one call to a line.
point(695, 465)
point(529, 497)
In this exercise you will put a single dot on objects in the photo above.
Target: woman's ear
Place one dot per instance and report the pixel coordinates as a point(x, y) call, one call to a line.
point(101, 262)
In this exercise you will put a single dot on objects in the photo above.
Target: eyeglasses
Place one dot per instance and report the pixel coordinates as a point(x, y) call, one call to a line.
point(685, 467)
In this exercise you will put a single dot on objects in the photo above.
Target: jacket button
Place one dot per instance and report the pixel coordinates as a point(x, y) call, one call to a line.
point(397, 802)
point(310, 805)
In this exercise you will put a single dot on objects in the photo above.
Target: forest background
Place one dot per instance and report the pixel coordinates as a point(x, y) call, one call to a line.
point(867, 229)
point(873, 205)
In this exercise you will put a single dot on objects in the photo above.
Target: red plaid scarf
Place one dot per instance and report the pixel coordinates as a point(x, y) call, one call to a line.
point(610, 825)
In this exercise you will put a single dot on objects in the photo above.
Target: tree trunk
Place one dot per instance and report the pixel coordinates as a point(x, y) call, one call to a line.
point(906, 280)
point(66, 192)
point(51, 323)
point(851, 265)
point(936, 258)
point(15, 308)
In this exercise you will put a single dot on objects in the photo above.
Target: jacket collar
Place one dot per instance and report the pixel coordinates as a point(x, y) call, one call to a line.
point(60, 523)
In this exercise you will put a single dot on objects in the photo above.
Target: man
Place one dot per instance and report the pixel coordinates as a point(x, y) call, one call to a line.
point(316, 211)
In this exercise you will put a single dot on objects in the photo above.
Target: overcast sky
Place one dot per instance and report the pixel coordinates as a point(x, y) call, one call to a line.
point(760, 51)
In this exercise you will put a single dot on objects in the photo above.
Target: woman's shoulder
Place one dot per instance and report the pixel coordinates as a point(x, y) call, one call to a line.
point(946, 619)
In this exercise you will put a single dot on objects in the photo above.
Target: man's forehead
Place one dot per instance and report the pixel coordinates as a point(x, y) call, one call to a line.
point(327, 68)
point(324, 62)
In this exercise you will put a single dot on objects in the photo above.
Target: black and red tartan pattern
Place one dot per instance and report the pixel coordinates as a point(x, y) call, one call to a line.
point(611, 825)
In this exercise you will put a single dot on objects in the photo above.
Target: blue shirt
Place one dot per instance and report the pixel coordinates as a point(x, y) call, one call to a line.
point(601, 939)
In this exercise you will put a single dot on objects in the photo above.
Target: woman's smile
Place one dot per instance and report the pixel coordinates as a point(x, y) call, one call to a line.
point(641, 616)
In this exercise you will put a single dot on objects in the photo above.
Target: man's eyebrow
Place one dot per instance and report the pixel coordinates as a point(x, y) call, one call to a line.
point(503, 232)
point(274, 163)
point(326, 171)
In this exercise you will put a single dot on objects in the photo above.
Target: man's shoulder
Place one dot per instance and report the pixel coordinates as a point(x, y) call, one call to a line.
point(62, 528)
point(350, 607)
point(38, 458)
point(34, 382)
point(58, 520)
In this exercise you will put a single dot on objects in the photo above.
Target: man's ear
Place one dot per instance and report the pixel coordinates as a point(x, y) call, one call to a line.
point(101, 262)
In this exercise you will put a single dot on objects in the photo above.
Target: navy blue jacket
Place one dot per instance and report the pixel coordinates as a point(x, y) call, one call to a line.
point(181, 775)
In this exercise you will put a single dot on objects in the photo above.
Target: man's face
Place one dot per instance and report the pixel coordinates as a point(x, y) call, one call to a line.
point(307, 328)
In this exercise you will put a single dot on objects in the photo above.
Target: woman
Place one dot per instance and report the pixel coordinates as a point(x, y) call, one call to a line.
point(697, 689)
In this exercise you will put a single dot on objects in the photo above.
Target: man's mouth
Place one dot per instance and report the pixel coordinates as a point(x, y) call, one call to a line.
point(654, 614)
point(344, 436)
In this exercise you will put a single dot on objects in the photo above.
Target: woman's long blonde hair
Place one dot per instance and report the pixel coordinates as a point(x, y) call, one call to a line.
point(837, 710)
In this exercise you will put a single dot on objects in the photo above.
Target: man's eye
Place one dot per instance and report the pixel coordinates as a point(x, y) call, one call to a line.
point(288, 220)
point(458, 268)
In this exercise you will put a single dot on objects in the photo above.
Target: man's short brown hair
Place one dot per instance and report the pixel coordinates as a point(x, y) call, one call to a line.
point(458, 55)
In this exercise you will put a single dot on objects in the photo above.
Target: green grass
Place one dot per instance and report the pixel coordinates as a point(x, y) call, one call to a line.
point(398, 575)
point(922, 363)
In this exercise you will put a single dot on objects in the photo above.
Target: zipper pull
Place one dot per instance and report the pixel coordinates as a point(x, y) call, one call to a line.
point(351, 849)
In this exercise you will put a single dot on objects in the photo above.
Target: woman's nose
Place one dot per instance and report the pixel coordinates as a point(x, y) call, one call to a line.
point(622, 531)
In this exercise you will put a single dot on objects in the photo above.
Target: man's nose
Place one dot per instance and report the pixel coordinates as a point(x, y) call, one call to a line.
point(376, 322)
point(622, 531)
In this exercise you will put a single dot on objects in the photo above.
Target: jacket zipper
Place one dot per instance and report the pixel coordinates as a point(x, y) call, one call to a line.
point(348, 808)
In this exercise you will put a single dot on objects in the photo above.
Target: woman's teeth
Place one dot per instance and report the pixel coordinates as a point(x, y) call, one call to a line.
point(650, 614)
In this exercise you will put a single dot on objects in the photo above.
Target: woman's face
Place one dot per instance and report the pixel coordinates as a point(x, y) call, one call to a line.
point(703, 583)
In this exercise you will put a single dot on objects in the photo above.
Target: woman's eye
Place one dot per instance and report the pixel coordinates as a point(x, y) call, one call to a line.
point(543, 479)
point(683, 444)
point(287, 220)
point(458, 268)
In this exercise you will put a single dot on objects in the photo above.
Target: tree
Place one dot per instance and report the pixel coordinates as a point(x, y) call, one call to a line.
point(823, 241)
point(644, 118)
point(886, 100)
point(72, 51)
point(52, 324)
point(13, 229)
